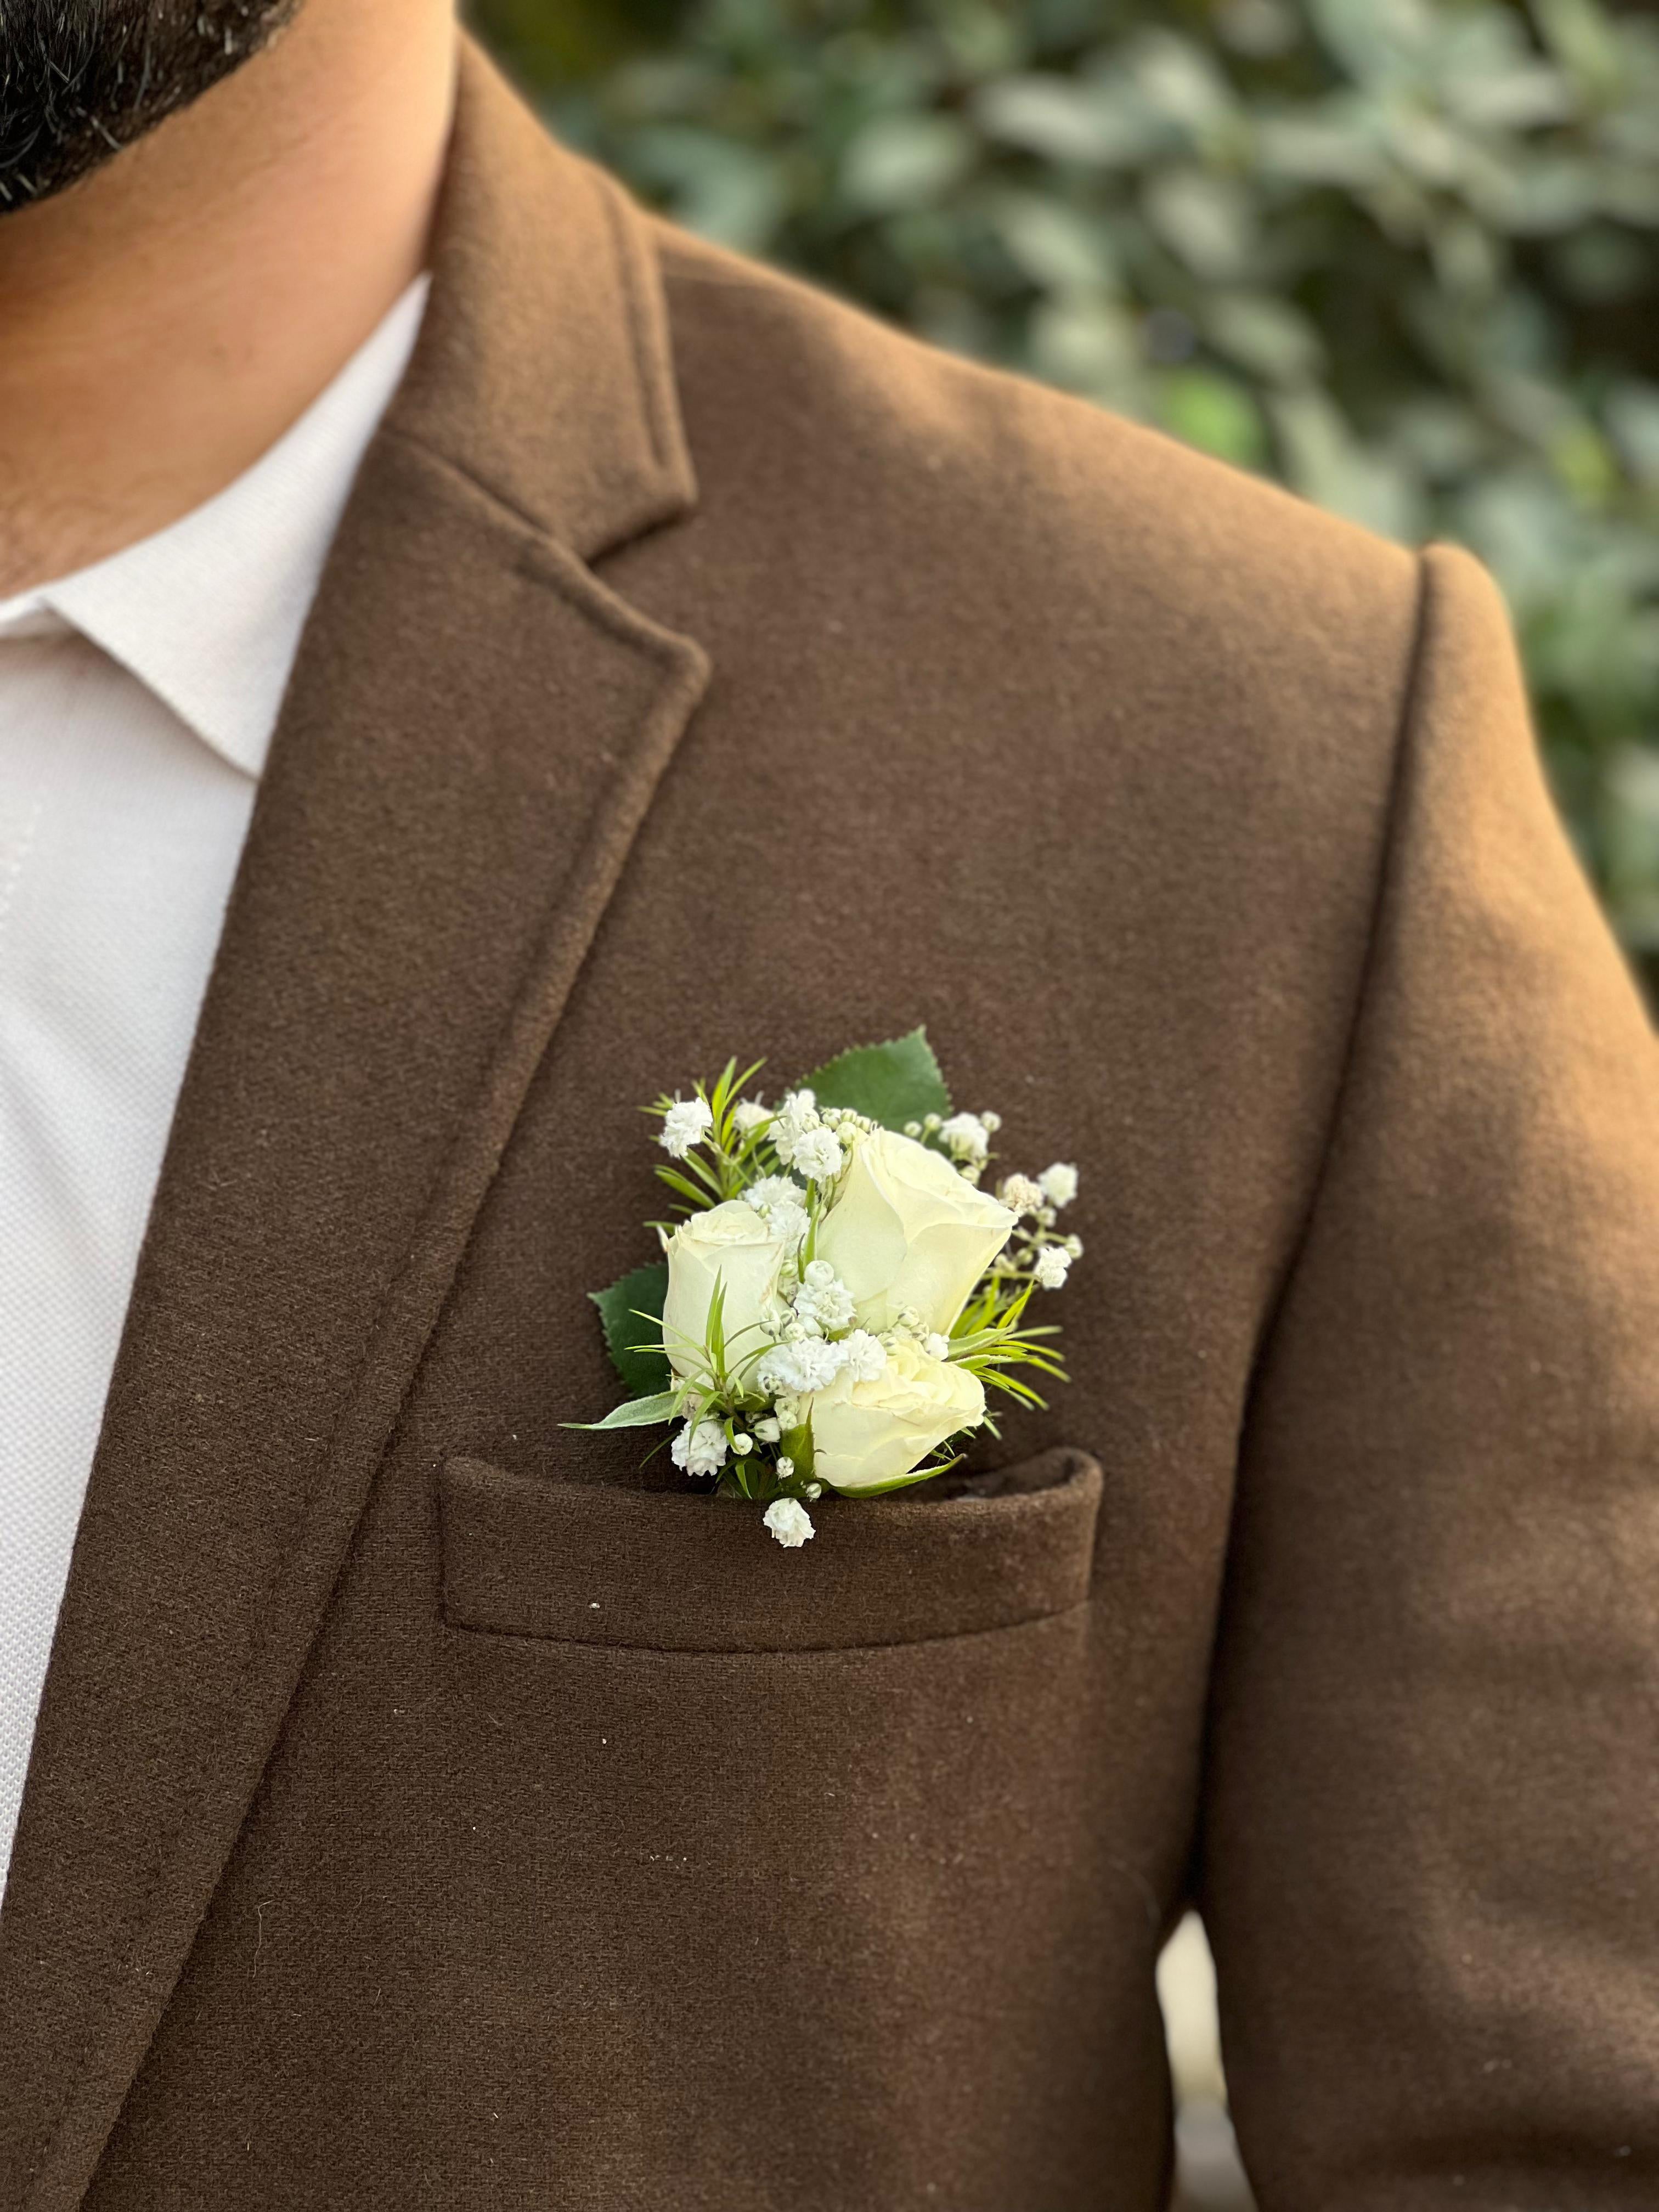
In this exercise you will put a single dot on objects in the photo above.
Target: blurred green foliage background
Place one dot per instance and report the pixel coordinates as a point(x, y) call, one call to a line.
point(1400, 254)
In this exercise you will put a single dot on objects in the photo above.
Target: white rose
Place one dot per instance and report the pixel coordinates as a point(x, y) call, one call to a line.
point(908, 1231)
point(730, 1244)
point(868, 1433)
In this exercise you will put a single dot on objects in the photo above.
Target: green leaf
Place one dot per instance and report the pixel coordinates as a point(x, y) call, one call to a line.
point(714, 1330)
point(904, 160)
point(796, 1444)
point(893, 1083)
point(636, 1413)
point(1214, 412)
point(699, 1200)
point(627, 1310)
point(899, 1481)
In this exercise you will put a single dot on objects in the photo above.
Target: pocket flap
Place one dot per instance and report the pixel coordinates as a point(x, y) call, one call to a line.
point(525, 1555)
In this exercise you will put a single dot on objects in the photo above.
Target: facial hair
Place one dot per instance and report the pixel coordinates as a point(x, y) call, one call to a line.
point(81, 79)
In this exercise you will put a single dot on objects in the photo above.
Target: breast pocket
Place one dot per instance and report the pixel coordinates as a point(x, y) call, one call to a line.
point(722, 1817)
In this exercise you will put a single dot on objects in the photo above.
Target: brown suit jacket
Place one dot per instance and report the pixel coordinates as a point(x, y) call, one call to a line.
point(425, 1813)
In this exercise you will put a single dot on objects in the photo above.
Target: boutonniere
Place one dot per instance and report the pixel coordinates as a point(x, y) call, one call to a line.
point(837, 1294)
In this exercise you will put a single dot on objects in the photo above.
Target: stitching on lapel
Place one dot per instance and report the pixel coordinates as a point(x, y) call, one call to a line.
point(666, 449)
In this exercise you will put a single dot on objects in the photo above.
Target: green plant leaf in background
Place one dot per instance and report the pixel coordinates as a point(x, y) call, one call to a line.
point(893, 1083)
point(645, 1373)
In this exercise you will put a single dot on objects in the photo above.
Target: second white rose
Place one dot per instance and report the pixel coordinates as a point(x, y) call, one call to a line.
point(908, 1231)
point(730, 1244)
point(865, 1434)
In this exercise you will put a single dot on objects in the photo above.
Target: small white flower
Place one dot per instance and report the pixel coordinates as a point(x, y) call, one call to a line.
point(687, 1121)
point(800, 1368)
point(743, 1446)
point(748, 1115)
point(814, 1492)
point(966, 1136)
point(700, 1449)
point(993, 1123)
point(769, 1191)
point(790, 1522)
point(796, 1118)
point(816, 1154)
point(767, 1430)
point(1059, 1183)
point(1074, 1246)
point(785, 1466)
point(863, 1356)
point(1019, 1193)
point(1052, 1266)
point(791, 1223)
point(781, 1201)
point(937, 1347)
point(824, 1304)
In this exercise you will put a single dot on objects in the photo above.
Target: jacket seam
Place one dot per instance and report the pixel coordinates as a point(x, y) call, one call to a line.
point(1405, 723)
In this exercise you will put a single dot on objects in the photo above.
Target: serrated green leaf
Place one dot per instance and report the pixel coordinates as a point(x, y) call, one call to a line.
point(893, 1083)
point(636, 1413)
point(642, 1293)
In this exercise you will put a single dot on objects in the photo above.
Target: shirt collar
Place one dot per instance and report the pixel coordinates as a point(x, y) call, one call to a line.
point(208, 612)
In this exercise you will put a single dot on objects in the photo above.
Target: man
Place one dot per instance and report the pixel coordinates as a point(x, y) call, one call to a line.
point(422, 1806)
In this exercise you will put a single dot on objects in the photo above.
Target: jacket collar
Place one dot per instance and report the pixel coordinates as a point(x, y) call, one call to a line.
point(543, 370)
point(471, 736)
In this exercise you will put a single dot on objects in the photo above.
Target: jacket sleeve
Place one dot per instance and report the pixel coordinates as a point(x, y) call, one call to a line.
point(1431, 1828)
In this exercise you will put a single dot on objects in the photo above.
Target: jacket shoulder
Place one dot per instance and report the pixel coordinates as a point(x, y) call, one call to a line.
point(852, 427)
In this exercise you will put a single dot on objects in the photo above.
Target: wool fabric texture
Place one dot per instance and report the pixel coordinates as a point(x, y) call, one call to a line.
point(426, 1809)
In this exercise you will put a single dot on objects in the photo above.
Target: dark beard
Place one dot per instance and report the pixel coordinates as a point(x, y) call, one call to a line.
point(81, 79)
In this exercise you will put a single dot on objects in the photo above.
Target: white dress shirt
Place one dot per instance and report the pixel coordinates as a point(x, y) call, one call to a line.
point(137, 699)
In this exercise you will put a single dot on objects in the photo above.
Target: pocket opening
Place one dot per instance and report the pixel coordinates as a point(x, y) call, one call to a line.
point(526, 1555)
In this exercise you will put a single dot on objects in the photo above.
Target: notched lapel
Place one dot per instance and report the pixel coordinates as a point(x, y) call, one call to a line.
point(472, 736)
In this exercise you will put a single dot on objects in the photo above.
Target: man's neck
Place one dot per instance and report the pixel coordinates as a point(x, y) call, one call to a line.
point(167, 320)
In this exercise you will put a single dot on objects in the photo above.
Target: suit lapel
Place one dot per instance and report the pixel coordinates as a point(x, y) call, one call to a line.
point(472, 734)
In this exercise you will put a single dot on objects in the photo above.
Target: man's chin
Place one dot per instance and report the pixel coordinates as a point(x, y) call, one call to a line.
point(81, 79)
